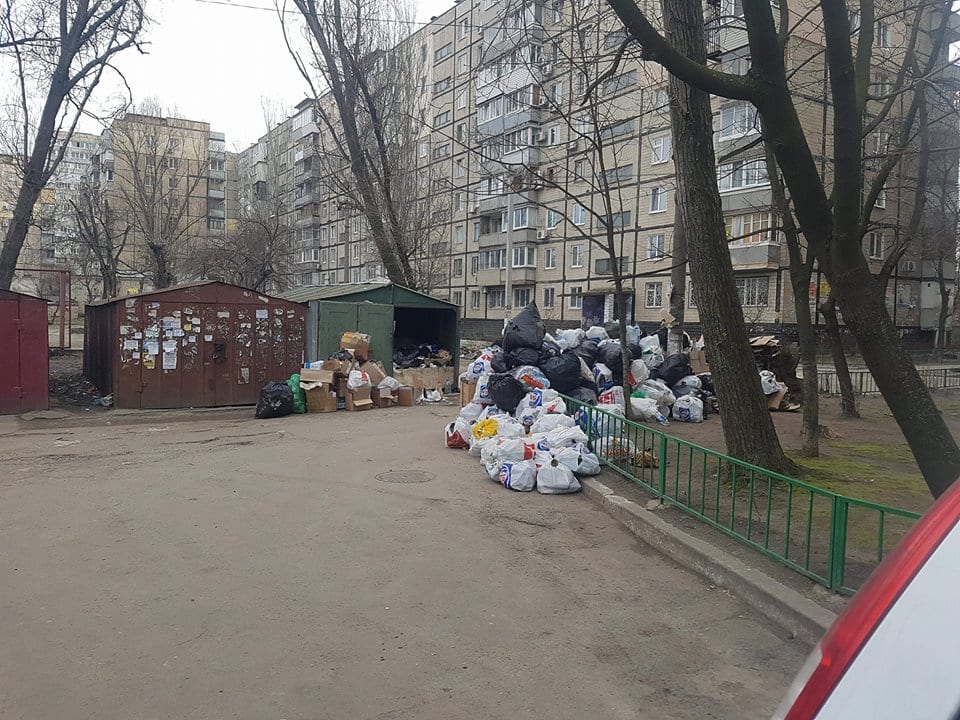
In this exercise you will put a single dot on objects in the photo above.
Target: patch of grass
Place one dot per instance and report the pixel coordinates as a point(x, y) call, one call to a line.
point(866, 481)
point(899, 452)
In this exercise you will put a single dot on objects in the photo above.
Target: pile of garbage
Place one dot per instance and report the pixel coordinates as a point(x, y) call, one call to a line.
point(587, 366)
point(534, 444)
point(410, 355)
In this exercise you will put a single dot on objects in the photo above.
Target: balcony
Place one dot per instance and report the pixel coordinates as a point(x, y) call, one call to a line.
point(527, 157)
point(216, 213)
point(305, 199)
point(755, 255)
point(491, 204)
point(215, 193)
point(498, 277)
point(307, 129)
point(523, 236)
point(217, 174)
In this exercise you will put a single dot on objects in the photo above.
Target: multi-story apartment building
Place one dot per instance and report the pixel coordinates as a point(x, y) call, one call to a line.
point(525, 173)
point(174, 184)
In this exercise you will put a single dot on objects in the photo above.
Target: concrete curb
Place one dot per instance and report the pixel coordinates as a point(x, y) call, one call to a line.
point(800, 616)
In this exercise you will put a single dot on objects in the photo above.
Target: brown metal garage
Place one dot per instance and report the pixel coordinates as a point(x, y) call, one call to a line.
point(203, 344)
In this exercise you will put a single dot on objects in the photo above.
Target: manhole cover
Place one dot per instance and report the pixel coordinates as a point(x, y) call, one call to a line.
point(405, 476)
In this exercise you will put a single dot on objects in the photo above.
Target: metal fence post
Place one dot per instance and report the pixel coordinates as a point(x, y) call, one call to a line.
point(662, 474)
point(836, 563)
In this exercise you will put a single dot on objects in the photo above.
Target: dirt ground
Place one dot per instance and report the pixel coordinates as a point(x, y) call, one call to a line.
point(209, 565)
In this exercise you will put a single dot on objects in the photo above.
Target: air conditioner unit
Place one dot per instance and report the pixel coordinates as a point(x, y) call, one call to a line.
point(542, 137)
point(908, 266)
point(546, 68)
point(542, 234)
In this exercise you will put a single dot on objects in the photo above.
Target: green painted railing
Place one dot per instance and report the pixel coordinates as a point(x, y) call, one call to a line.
point(864, 384)
point(832, 539)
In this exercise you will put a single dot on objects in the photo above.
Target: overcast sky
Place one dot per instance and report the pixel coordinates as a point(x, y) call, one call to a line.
point(216, 60)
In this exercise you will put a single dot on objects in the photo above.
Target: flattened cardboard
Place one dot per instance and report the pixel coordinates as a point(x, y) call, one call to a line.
point(327, 377)
point(321, 400)
point(468, 388)
point(358, 399)
point(374, 371)
point(382, 398)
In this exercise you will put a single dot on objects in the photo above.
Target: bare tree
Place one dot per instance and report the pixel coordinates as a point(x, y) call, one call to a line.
point(102, 234)
point(75, 42)
point(257, 255)
point(370, 112)
point(162, 166)
point(832, 226)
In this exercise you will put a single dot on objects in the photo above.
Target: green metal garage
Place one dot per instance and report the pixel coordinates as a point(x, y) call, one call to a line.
point(391, 314)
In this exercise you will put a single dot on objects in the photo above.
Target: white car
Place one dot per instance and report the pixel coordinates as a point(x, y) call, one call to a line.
point(894, 653)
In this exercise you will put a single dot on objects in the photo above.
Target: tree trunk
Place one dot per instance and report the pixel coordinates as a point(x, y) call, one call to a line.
point(848, 399)
point(620, 301)
point(678, 282)
point(810, 422)
point(747, 426)
point(944, 309)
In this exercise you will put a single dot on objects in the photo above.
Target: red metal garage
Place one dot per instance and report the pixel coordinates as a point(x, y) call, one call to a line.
point(203, 344)
point(24, 356)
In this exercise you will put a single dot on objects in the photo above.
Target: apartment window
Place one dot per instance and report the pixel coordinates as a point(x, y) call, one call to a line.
point(619, 175)
point(752, 291)
point(576, 297)
point(737, 120)
point(524, 257)
point(461, 99)
point(731, 8)
point(463, 27)
point(735, 64)
point(355, 250)
point(882, 84)
point(456, 297)
point(619, 219)
point(458, 235)
point(742, 174)
point(423, 148)
point(441, 151)
point(576, 256)
point(550, 258)
point(521, 297)
point(881, 201)
point(553, 218)
point(579, 214)
point(556, 93)
point(581, 83)
point(854, 20)
point(493, 259)
point(214, 223)
point(660, 100)
point(554, 135)
point(459, 169)
point(173, 163)
point(458, 267)
point(655, 245)
point(749, 227)
point(619, 129)
point(549, 297)
point(496, 298)
point(474, 264)
point(476, 231)
point(875, 245)
point(172, 182)
point(883, 34)
point(881, 142)
point(441, 86)
point(653, 295)
point(475, 299)
point(463, 63)
point(580, 169)
point(461, 201)
point(441, 119)
point(658, 199)
point(461, 132)
point(521, 217)
point(603, 266)
point(216, 164)
point(442, 53)
point(557, 10)
point(660, 149)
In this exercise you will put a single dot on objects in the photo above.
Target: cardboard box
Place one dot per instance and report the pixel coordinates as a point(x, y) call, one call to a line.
point(374, 371)
point(382, 398)
point(359, 343)
point(358, 398)
point(698, 361)
point(429, 378)
point(318, 386)
point(468, 388)
point(405, 396)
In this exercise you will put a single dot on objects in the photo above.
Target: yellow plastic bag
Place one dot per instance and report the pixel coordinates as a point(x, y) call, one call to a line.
point(485, 429)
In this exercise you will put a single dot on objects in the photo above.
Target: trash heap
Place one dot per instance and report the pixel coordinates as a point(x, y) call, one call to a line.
point(410, 355)
point(347, 380)
point(587, 366)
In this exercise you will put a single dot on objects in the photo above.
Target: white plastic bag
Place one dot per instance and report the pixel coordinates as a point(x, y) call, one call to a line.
point(520, 476)
point(587, 462)
point(687, 385)
point(482, 395)
point(638, 372)
point(478, 446)
point(532, 378)
point(651, 343)
point(492, 470)
point(357, 379)
point(597, 333)
point(516, 450)
point(658, 390)
point(389, 383)
point(633, 334)
point(569, 339)
point(613, 396)
point(563, 437)
point(527, 416)
point(653, 358)
point(510, 428)
point(471, 411)
point(645, 408)
point(556, 479)
point(537, 397)
point(768, 381)
point(546, 423)
point(456, 434)
point(554, 406)
point(602, 374)
point(688, 408)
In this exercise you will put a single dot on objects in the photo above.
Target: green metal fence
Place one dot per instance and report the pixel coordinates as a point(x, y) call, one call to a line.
point(864, 384)
point(832, 539)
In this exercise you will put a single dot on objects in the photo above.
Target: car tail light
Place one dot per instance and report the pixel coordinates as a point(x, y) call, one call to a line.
point(846, 637)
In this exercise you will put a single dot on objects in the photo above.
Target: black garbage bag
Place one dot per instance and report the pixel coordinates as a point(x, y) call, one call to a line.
point(588, 351)
point(610, 355)
point(706, 383)
point(526, 329)
point(547, 350)
point(563, 371)
point(613, 330)
point(501, 362)
point(636, 352)
point(506, 391)
point(276, 400)
point(673, 369)
point(584, 395)
point(524, 356)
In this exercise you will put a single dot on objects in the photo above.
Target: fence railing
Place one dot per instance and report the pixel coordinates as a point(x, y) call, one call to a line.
point(832, 539)
point(864, 384)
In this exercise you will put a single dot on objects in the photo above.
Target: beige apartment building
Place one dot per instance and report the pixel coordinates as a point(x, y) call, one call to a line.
point(525, 174)
point(174, 185)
